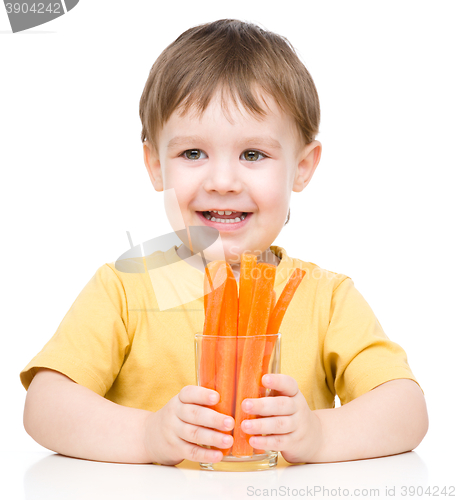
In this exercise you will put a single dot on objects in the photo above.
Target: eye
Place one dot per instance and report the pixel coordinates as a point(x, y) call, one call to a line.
point(193, 154)
point(252, 155)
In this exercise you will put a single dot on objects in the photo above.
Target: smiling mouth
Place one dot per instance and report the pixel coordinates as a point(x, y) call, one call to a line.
point(217, 216)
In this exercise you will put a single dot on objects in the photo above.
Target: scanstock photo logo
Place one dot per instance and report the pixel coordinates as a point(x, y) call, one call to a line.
point(27, 14)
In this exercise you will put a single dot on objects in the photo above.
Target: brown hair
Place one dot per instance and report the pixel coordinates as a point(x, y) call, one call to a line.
point(230, 55)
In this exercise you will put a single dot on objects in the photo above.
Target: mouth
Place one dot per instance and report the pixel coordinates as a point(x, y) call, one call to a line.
point(224, 220)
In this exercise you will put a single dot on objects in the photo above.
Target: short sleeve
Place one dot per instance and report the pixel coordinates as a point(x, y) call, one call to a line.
point(358, 355)
point(92, 340)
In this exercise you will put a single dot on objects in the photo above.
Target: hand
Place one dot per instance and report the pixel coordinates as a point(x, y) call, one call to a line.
point(293, 429)
point(175, 432)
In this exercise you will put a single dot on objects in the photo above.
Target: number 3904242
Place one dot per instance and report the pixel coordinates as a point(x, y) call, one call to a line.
point(35, 8)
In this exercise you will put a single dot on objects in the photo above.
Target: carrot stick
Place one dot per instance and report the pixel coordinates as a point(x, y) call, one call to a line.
point(268, 349)
point(247, 281)
point(226, 351)
point(214, 288)
point(248, 263)
point(275, 321)
point(284, 300)
point(269, 344)
point(248, 275)
point(208, 279)
point(251, 362)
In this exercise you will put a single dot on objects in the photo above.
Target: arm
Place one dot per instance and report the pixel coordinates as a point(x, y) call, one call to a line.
point(390, 419)
point(70, 419)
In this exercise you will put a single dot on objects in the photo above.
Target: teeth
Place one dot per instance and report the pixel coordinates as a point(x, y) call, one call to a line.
point(224, 221)
point(222, 212)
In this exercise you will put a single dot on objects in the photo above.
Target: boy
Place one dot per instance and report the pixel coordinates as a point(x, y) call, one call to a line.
point(230, 116)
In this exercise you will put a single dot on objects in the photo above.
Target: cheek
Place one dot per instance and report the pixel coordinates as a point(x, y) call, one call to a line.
point(273, 194)
point(179, 190)
point(178, 178)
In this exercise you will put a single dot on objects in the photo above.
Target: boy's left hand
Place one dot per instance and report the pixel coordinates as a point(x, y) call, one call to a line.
point(292, 428)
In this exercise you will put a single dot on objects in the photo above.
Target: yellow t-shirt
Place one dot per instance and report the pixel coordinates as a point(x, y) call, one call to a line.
point(121, 342)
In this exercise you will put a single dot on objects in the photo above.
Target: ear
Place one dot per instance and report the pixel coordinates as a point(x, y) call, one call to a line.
point(152, 162)
point(308, 160)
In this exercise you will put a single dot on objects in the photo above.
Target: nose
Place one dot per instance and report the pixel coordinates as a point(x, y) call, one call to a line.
point(223, 177)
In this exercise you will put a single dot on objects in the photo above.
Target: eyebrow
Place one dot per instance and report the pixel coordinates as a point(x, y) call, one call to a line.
point(265, 141)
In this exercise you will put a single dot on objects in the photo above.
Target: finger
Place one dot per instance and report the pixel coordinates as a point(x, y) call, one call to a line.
point(272, 425)
point(278, 405)
point(203, 436)
point(276, 442)
point(284, 385)
point(198, 395)
point(202, 416)
point(196, 453)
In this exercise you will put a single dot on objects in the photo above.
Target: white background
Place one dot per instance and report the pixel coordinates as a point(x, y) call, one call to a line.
point(380, 208)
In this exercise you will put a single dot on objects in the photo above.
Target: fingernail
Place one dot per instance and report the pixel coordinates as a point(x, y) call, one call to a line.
point(247, 424)
point(228, 423)
point(213, 398)
point(227, 439)
point(248, 405)
point(267, 379)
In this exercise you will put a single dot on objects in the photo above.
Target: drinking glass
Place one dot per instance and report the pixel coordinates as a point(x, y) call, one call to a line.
point(234, 367)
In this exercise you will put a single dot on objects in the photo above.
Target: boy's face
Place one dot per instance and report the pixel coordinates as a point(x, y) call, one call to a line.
point(243, 165)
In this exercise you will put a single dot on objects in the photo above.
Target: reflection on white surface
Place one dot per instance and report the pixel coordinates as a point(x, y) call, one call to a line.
point(57, 477)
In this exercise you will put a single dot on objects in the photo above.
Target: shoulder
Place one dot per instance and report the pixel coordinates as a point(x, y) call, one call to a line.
point(131, 277)
point(124, 272)
point(316, 278)
point(108, 278)
point(320, 276)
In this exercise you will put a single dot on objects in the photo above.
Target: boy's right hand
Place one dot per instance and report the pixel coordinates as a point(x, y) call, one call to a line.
point(174, 432)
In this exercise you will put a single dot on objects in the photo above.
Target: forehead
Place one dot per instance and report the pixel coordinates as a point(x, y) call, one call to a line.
point(231, 104)
point(226, 114)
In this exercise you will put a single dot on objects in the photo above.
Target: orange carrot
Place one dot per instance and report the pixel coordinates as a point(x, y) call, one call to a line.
point(284, 300)
point(252, 359)
point(247, 281)
point(275, 321)
point(247, 275)
point(277, 315)
point(214, 287)
point(226, 351)
point(208, 279)
point(268, 349)
point(269, 344)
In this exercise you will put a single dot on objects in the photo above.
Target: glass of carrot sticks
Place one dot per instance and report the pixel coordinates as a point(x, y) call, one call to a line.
point(240, 343)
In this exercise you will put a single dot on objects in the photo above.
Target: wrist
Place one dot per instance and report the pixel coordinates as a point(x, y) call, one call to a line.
point(314, 444)
point(328, 425)
point(309, 445)
point(149, 450)
point(157, 448)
